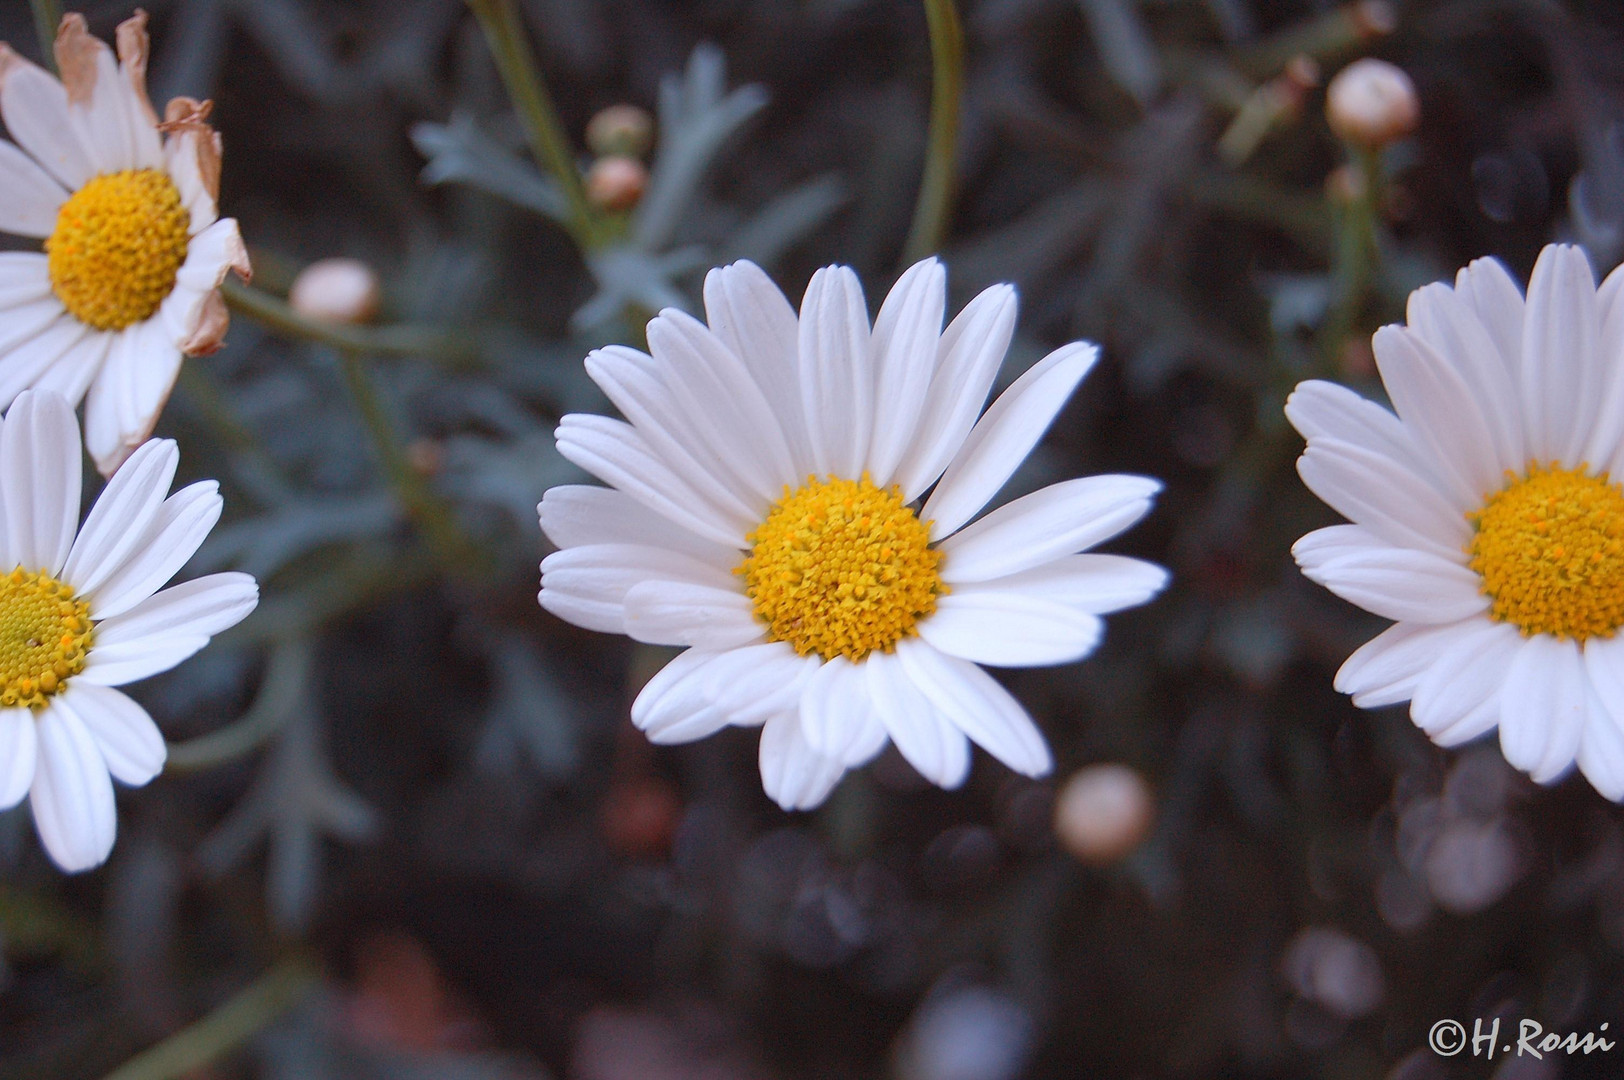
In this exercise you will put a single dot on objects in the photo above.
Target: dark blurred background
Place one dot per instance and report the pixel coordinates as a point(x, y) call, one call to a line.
point(439, 803)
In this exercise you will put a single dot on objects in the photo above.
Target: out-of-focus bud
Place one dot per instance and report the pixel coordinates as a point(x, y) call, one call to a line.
point(336, 290)
point(1103, 812)
point(616, 183)
point(620, 131)
point(1338, 972)
point(1371, 103)
point(426, 456)
point(1375, 18)
point(640, 815)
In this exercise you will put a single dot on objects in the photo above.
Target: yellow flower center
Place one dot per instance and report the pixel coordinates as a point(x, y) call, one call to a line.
point(1550, 550)
point(841, 568)
point(44, 637)
point(117, 245)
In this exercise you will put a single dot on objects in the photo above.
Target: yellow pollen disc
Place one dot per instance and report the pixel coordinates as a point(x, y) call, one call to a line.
point(1550, 550)
point(44, 637)
point(117, 245)
point(841, 568)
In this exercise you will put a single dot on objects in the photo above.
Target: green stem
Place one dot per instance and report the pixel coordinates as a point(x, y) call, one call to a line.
point(947, 87)
point(455, 350)
point(227, 1027)
point(47, 17)
point(421, 501)
point(1356, 258)
point(504, 31)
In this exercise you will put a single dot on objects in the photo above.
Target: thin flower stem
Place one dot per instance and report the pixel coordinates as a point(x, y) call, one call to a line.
point(454, 350)
point(227, 1027)
point(47, 17)
point(421, 502)
point(504, 31)
point(1356, 258)
point(947, 88)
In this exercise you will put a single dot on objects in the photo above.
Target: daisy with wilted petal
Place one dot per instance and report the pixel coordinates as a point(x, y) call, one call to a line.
point(134, 248)
point(1487, 516)
point(81, 611)
point(764, 511)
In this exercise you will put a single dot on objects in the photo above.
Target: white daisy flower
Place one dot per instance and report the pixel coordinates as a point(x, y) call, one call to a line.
point(134, 248)
point(764, 512)
point(1486, 517)
point(81, 612)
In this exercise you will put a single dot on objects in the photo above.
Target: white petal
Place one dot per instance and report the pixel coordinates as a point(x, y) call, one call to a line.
point(680, 613)
point(1560, 375)
point(618, 455)
point(970, 352)
point(835, 708)
point(105, 123)
point(673, 706)
point(746, 310)
point(1445, 414)
point(794, 775)
point(39, 481)
point(904, 350)
point(700, 692)
point(717, 388)
point(837, 379)
point(1372, 490)
point(1543, 707)
point(1330, 411)
point(682, 432)
point(129, 392)
point(1057, 520)
point(72, 795)
point(131, 661)
point(1601, 750)
point(18, 744)
point(978, 706)
point(122, 514)
point(52, 335)
point(201, 607)
point(601, 575)
point(35, 108)
point(1449, 324)
point(1097, 584)
point(177, 530)
point(1004, 436)
point(932, 745)
point(25, 278)
point(1488, 289)
point(210, 256)
point(129, 741)
point(573, 515)
point(182, 152)
point(750, 683)
point(77, 367)
point(1457, 697)
point(32, 197)
point(1394, 582)
point(1385, 669)
point(1009, 629)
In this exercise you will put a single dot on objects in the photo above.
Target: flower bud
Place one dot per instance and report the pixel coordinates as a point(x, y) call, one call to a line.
point(620, 131)
point(1103, 812)
point(1371, 103)
point(616, 183)
point(336, 290)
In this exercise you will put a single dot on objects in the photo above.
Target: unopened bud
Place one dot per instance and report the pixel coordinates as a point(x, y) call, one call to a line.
point(620, 130)
point(616, 183)
point(336, 290)
point(1371, 103)
point(1103, 812)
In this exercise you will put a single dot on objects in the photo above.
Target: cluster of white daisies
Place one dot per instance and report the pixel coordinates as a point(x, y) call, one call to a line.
point(795, 498)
